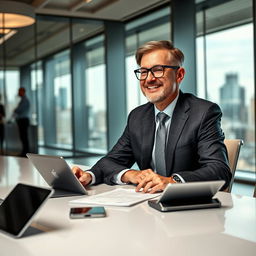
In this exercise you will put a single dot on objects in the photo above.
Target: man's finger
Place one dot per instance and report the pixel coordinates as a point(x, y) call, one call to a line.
point(148, 187)
point(85, 178)
point(143, 183)
point(156, 188)
point(76, 170)
point(140, 185)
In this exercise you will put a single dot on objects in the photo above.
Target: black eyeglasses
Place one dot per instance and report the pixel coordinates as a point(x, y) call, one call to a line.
point(157, 71)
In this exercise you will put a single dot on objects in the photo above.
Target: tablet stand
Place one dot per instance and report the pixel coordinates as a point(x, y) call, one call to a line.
point(185, 204)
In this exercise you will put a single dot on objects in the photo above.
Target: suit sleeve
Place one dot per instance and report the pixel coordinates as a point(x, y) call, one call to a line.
point(119, 158)
point(211, 150)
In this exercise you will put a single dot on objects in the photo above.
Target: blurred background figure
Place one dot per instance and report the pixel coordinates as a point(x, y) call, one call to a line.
point(2, 116)
point(21, 114)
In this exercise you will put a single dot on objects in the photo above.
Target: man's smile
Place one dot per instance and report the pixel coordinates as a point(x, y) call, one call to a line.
point(152, 87)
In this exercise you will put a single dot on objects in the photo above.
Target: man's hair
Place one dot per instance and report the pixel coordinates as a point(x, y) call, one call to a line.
point(157, 45)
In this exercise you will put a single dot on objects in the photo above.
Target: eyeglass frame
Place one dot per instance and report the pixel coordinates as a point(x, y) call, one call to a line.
point(136, 71)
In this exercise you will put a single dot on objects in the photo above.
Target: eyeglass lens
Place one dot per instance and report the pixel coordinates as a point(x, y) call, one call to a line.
point(157, 71)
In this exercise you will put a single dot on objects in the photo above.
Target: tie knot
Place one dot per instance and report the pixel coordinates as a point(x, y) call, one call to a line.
point(162, 117)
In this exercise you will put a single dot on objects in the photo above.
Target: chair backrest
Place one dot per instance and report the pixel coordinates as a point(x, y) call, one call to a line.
point(233, 147)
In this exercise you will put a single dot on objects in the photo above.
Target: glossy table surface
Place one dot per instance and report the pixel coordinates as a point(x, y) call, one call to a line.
point(136, 230)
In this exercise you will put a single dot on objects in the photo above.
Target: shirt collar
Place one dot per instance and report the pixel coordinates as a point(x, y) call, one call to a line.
point(169, 109)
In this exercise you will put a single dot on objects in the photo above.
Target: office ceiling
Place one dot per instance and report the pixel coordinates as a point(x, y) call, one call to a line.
point(51, 35)
point(98, 9)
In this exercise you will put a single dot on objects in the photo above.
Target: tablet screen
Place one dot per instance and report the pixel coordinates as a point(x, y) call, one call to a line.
point(19, 206)
point(191, 191)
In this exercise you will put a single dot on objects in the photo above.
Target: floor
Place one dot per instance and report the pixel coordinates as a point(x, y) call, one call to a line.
point(83, 159)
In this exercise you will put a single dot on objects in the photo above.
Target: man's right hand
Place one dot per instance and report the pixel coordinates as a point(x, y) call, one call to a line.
point(133, 176)
point(84, 177)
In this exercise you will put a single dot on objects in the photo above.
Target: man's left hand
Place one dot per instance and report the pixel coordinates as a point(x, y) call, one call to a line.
point(152, 182)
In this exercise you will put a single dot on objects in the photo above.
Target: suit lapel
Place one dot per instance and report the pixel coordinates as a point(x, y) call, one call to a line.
point(148, 134)
point(179, 119)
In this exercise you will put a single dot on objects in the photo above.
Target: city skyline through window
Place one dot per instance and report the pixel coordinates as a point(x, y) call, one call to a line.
point(227, 78)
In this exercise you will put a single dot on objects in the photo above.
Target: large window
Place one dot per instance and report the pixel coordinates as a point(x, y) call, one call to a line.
point(9, 85)
point(89, 96)
point(226, 72)
point(95, 98)
point(62, 99)
point(12, 84)
point(70, 116)
point(36, 89)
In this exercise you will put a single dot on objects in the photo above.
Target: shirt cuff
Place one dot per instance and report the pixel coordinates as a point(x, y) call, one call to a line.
point(93, 178)
point(117, 177)
point(182, 180)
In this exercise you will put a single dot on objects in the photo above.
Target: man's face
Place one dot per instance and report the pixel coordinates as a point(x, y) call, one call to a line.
point(161, 91)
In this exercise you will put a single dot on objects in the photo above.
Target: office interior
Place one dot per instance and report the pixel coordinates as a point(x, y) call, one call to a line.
point(77, 60)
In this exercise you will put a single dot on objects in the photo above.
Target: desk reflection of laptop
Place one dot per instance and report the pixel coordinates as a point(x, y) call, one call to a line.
point(58, 175)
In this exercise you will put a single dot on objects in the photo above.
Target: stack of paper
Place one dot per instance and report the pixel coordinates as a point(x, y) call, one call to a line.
point(116, 197)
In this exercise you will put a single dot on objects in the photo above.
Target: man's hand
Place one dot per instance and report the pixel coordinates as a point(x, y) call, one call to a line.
point(84, 177)
point(147, 180)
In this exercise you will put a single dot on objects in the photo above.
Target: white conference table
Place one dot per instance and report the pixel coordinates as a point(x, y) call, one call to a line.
point(137, 230)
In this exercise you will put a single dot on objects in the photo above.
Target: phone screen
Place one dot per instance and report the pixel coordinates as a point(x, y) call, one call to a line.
point(87, 212)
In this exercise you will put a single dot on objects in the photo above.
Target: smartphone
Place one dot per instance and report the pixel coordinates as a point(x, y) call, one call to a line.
point(87, 212)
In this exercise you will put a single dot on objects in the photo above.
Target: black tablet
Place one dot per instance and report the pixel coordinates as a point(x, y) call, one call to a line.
point(188, 196)
point(20, 206)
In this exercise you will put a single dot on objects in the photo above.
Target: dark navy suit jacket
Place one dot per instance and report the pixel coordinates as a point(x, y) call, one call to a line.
point(195, 147)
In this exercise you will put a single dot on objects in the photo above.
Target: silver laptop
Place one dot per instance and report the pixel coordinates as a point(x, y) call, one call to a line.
point(58, 175)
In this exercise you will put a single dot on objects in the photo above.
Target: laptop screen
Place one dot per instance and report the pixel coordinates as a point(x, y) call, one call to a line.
point(19, 207)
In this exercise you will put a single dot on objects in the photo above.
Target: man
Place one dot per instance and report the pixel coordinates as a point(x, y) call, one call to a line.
point(21, 113)
point(191, 144)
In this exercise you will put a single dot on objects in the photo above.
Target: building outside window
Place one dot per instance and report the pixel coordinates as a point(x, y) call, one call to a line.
point(225, 72)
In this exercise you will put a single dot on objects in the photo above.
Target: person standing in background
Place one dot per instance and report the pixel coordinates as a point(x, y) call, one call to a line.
point(21, 114)
point(2, 116)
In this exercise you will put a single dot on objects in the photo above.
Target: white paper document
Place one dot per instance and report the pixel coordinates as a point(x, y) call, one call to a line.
point(116, 197)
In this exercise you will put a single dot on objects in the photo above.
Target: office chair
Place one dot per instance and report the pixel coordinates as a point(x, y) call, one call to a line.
point(233, 147)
